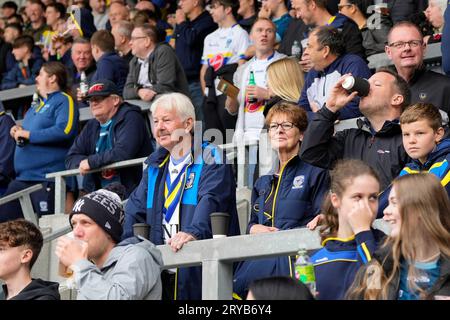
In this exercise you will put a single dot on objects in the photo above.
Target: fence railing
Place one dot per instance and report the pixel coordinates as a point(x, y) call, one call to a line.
point(24, 197)
point(216, 256)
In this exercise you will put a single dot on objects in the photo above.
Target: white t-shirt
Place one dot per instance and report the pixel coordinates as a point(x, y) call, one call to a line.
point(224, 46)
point(250, 115)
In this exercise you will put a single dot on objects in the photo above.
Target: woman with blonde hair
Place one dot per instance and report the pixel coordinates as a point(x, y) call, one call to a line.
point(414, 262)
point(285, 80)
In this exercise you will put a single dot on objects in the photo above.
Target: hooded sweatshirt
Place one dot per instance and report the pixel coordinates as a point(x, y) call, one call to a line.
point(131, 272)
point(37, 290)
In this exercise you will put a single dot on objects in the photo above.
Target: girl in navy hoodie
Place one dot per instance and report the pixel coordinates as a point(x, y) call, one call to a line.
point(347, 238)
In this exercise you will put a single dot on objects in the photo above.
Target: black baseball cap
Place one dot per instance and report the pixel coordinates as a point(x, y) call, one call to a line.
point(102, 88)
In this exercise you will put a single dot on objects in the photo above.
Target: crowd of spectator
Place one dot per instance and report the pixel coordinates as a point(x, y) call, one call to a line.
point(205, 68)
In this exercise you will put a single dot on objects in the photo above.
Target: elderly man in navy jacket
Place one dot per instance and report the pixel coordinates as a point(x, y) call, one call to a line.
point(117, 133)
point(183, 184)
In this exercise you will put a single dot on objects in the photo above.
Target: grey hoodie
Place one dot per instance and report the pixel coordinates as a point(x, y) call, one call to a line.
point(132, 271)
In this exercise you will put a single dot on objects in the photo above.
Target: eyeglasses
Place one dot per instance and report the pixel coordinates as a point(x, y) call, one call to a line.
point(402, 44)
point(286, 126)
point(340, 6)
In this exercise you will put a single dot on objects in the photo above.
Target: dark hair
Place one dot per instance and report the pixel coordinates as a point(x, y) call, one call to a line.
point(400, 84)
point(39, 2)
point(342, 175)
point(233, 4)
point(16, 26)
point(57, 69)
point(10, 5)
point(319, 3)
point(21, 232)
point(422, 111)
point(59, 7)
point(104, 40)
point(24, 41)
point(362, 5)
point(331, 37)
point(279, 288)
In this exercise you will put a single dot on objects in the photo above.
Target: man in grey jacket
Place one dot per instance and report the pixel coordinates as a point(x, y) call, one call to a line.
point(103, 268)
point(155, 69)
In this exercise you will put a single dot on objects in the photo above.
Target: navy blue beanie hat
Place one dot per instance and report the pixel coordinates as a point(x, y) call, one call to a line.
point(105, 208)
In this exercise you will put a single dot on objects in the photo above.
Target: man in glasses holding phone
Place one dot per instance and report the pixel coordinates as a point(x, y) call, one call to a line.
point(406, 49)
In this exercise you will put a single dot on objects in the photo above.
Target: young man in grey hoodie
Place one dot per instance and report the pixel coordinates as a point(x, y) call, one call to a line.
point(103, 267)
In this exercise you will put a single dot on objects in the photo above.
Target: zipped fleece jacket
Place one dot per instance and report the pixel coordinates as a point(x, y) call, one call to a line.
point(53, 126)
point(132, 271)
point(297, 198)
point(318, 84)
point(382, 150)
point(210, 187)
point(336, 264)
point(130, 140)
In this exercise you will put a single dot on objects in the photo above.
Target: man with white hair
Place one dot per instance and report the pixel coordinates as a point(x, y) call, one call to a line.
point(183, 184)
point(121, 32)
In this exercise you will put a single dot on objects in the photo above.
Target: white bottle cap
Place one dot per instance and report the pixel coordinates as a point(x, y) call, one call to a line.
point(348, 83)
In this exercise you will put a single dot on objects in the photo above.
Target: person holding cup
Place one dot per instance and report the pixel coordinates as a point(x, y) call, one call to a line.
point(105, 268)
point(287, 198)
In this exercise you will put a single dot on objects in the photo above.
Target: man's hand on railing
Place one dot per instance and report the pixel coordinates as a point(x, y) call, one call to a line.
point(259, 228)
point(179, 239)
point(84, 167)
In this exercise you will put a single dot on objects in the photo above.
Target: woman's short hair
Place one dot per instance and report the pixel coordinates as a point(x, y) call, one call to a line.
point(295, 114)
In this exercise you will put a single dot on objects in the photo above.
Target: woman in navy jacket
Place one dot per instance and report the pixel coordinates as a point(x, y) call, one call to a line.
point(286, 199)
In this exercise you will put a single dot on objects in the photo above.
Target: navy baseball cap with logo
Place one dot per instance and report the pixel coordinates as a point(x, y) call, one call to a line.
point(102, 88)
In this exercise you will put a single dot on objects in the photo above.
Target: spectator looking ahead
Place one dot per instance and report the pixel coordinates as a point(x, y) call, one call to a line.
point(286, 198)
point(117, 133)
point(182, 185)
point(20, 244)
point(406, 49)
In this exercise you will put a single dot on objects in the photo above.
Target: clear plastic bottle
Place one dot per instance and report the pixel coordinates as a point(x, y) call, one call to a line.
point(84, 86)
point(304, 270)
point(296, 50)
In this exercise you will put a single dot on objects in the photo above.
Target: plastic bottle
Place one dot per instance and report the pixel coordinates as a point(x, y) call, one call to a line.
point(21, 141)
point(304, 271)
point(84, 86)
point(251, 82)
point(296, 50)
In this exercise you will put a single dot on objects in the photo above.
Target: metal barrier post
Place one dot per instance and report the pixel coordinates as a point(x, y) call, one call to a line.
point(217, 280)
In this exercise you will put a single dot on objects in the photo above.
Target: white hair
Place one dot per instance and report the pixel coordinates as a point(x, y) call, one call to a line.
point(178, 101)
point(441, 4)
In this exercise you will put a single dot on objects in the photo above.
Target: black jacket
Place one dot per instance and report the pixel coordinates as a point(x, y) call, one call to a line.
point(130, 140)
point(431, 87)
point(37, 290)
point(296, 30)
point(382, 150)
point(7, 147)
